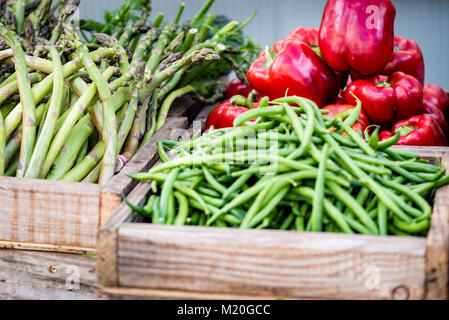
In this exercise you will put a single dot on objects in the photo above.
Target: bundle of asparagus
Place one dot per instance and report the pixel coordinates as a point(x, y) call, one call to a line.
point(71, 113)
point(33, 20)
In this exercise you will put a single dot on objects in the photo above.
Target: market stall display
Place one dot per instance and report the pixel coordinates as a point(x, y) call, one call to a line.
point(320, 164)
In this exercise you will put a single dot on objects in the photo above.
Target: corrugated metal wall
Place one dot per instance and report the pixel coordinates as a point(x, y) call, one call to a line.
point(427, 22)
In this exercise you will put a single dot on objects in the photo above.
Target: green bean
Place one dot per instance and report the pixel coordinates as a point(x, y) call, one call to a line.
point(217, 202)
point(232, 219)
point(135, 208)
point(405, 154)
point(256, 205)
point(162, 154)
point(389, 142)
point(267, 209)
point(345, 141)
point(195, 218)
point(355, 114)
point(391, 153)
point(202, 220)
point(331, 210)
point(364, 178)
point(414, 227)
point(382, 219)
point(373, 213)
point(354, 206)
point(238, 183)
point(380, 170)
point(156, 217)
point(171, 208)
point(183, 209)
point(358, 140)
point(287, 222)
point(430, 176)
point(211, 180)
point(264, 112)
point(150, 204)
point(395, 231)
point(208, 192)
point(220, 224)
point(317, 209)
point(412, 195)
point(299, 224)
point(408, 209)
point(305, 135)
point(358, 226)
point(167, 188)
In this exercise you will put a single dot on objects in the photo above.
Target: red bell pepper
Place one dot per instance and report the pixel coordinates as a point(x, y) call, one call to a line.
point(293, 66)
point(237, 88)
point(307, 35)
point(335, 110)
point(437, 115)
point(436, 97)
point(420, 130)
point(386, 99)
point(223, 116)
point(408, 58)
point(310, 36)
point(357, 35)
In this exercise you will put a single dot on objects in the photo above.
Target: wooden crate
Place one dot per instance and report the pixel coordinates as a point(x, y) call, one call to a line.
point(62, 216)
point(207, 263)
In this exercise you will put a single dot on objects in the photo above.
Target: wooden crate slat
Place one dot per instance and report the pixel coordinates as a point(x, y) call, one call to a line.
point(43, 275)
point(185, 107)
point(107, 237)
point(425, 151)
point(31, 212)
point(437, 268)
point(269, 263)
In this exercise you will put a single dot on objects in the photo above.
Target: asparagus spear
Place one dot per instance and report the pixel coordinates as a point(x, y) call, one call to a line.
point(20, 15)
point(82, 169)
point(2, 145)
point(82, 153)
point(73, 116)
point(14, 141)
point(69, 152)
point(27, 101)
point(109, 119)
point(13, 119)
point(12, 88)
point(48, 128)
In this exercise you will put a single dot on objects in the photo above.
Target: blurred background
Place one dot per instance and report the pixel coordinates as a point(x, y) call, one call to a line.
point(426, 22)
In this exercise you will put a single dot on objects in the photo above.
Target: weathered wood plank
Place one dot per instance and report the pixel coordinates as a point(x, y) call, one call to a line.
point(146, 294)
point(40, 275)
point(270, 263)
point(437, 265)
point(185, 107)
point(53, 276)
point(107, 237)
point(32, 212)
point(425, 151)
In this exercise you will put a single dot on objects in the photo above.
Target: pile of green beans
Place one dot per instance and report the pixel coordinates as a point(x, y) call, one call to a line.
point(292, 169)
point(77, 113)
